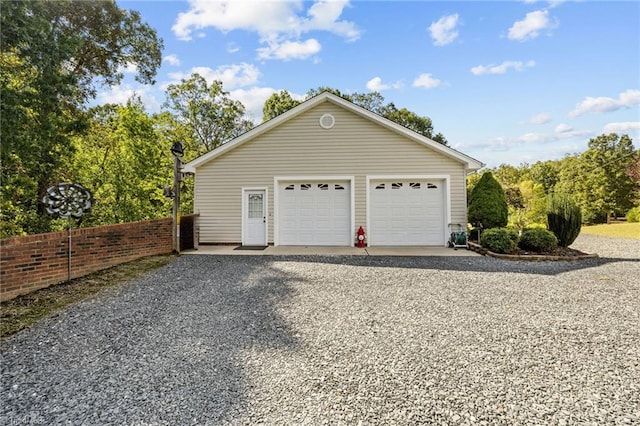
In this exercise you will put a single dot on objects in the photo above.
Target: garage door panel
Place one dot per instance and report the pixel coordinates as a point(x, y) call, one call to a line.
point(314, 213)
point(407, 213)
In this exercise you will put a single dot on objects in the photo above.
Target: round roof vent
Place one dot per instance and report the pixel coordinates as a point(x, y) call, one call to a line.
point(327, 121)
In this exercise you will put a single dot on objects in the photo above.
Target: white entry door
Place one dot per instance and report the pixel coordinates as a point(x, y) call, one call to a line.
point(255, 218)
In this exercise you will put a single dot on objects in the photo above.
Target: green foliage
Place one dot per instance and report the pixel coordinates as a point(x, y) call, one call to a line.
point(514, 198)
point(499, 240)
point(205, 112)
point(472, 181)
point(564, 218)
point(633, 215)
point(546, 173)
point(125, 162)
point(538, 240)
point(487, 203)
point(278, 103)
point(606, 187)
point(534, 208)
point(510, 176)
point(54, 54)
point(412, 121)
point(633, 171)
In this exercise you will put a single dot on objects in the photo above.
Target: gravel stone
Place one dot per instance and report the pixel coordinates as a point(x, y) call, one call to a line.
point(339, 340)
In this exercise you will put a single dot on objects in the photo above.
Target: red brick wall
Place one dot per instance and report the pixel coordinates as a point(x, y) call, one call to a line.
point(37, 261)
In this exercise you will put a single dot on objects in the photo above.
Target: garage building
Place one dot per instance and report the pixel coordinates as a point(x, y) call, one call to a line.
point(313, 175)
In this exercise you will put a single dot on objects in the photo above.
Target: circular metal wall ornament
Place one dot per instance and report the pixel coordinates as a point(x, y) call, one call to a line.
point(67, 200)
point(327, 121)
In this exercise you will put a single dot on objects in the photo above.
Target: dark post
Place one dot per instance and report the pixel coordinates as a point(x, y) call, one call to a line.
point(177, 152)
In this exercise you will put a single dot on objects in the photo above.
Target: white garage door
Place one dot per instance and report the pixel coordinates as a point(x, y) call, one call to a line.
point(314, 213)
point(406, 213)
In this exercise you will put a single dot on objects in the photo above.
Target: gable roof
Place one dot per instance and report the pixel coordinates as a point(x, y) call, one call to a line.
point(470, 163)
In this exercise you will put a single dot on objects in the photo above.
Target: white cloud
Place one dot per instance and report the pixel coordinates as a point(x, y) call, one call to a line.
point(279, 24)
point(531, 26)
point(555, 3)
point(376, 85)
point(254, 98)
point(120, 94)
point(172, 60)
point(622, 127)
point(444, 31)
point(563, 134)
point(563, 128)
point(261, 17)
point(325, 15)
point(551, 3)
point(627, 99)
point(564, 131)
point(532, 138)
point(571, 134)
point(426, 81)
point(232, 76)
point(502, 68)
point(129, 68)
point(290, 50)
point(541, 118)
point(232, 47)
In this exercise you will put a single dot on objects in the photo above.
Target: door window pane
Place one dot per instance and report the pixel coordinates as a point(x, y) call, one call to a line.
point(255, 206)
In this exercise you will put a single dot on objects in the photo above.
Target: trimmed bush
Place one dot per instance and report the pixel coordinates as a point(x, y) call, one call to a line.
point(633, 215)
point(487, 203)
point(538, 240)
point(499, 240)
point(564, 219)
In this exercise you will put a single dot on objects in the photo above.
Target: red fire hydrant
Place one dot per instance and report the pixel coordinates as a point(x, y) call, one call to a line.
point(360, 236)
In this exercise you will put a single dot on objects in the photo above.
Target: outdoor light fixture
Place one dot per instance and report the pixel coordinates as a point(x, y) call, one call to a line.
point(177, 150)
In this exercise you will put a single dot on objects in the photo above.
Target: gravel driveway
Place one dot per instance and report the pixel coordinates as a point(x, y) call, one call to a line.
point(342, 340)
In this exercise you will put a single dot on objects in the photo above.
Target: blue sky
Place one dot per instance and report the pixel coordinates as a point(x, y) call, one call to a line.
point(505, 82)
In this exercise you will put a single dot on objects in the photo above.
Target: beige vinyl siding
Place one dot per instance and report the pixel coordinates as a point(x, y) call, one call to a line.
point(355, 146)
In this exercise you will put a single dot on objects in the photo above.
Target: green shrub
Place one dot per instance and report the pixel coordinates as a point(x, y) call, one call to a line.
point(633, 215)
point(487, 203)
point(564, 219)
point(538, 240)
point(499, 240)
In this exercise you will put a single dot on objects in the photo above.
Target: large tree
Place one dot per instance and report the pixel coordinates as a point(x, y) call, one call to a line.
point(123, 159)
point(510, 176)
point(608, 189)
point(633, 171)
point(54, 56)
point(206, 113)
point(546, 174)
point(278, 103)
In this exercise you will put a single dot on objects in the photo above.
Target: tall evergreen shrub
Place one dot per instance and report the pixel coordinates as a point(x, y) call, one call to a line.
point(488, 204)
point(564, 218)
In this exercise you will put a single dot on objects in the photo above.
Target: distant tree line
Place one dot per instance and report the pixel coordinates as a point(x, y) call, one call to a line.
point(604, 181)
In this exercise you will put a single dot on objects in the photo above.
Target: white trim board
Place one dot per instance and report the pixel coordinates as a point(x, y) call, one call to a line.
point(244, 190)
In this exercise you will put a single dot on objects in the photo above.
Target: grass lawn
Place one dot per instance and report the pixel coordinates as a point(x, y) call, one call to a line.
point(23, 311)
point(620, 229)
